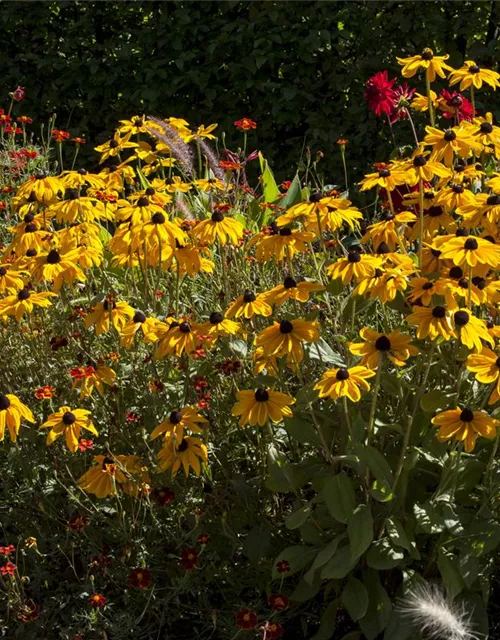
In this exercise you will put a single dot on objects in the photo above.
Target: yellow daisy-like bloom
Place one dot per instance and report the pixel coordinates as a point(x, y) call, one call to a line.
point(386, 287)
point(69, 422)
point(177, 421)
point(471, 251)
point(42, 187)
point(465, 425)
point(423, 290)
point(419, 168)
point(431, 64)
point(434, 322)
point(12, 412)
point(421, 102)
point(114, 146)
point(218, 326)
point(160, 235)
point(94, 375)
point(486, 366)
point(257, 407)
point(116, 176)
point(333, 217)
point(485, 206)
point(106, 313)
point(343, 382)
point(316, 205)
point(285, 338)
point(175, 184)
point(471, 74)
point(139, 322)
point(80, 178)
point(356, 266)
point(291, 290)
point(218, 227)
point(457, 289)
point(23, 302)
point(137, 124)
point(454, 197)
point(211, 184)
point(109, 474)
point(248, 305)
point(471, 330)
point(179, 338)
point(29, 234)
point(76, 209)
point(190, 260)
point(445, 144)
point(188, 453)
point(11, 279)
point(138, 213)
point(388, 178)
point(202, 132)
point(58, 268)
point(285, 244)
point(396, 346)
point(388, 229)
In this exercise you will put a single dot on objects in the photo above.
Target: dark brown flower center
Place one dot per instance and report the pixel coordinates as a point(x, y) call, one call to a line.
point(216, 317)
point(434, 212)
point(456, 273)
point(467, 415)
point(383, 343)
point(3, 271)
point(183, 445)
point(175, 417)
point(261, 395)
point(342, 374)
point(457, 188)
point(493, 200)
point(30, 228)
point(289, 283)
point(113, 144)
point(427, 285)
point(109, 305)
point(474, 68)
point(69, 418)
point(354, 256)
point(4, 403)
point(217, 216)
point(479, 282)
point(438, 312)
point(315, 197)
point(139, 317)
point(461, 318)
point(143, 202)
point(463, 283)
point(286, 326)
point(53, 257)
point(419, 161)
point(158, 218)
point(471, 244)
point(384, 173)
point(249, 296)
point(185, 327)
point(486, 127)
point(450, 135)
point(24, 294)
point(427, 54)
point(286, 231)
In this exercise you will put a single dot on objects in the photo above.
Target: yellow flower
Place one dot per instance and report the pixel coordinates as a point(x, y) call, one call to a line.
point(257, 407)
point(202, 132)
point(57, 267)
point(11, 280)
point(139, 322)
point(419, 168)
point(423, 290)
point(94, 375)
point(286, 243)
point(135, 125)
point(69, 422)
point(387, 178)
point(248, 305)
point(465, 426)
point(285, 338)
point(24, 302)
point(219, 227)
point(42, 188)
point(421, 103)
point(114, 146)
point(188, 453)
point(388, 230)
point(356, 266)
point(343, 382)
point(454, 197)
point(178, 338)
point(105, 477)
point(395, 345)
point(471, 251)
point(12, 411)
point(486, 366)
point(431, 64)
point(211, 184)
point(446, 144)
point(291, 290)
point(434, 322)
point(218, 326)
point(107, 312)
point(471, 74)
point(471, 330)
point(177, 421)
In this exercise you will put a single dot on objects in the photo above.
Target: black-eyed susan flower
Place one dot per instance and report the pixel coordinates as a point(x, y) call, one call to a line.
point(471, 74)
point(421, 102)
point(316, 205)
point(471, 330)
point(423, 289)
point(136, 124)
point(24, 302)
point(12, 412)
point(434, 322)
point(285, 338)
point(356, 266)
point(257, 407)
point(106, 313)
point(219, 326)
point(219, 227)
point(454, 196)
point(138, 323)
point(210, 185)
point(465, 425)
point(471, 251)
point(486, 366)
point(68, 422)
point(388, 230)
point(291, 290)
point(395, 345)
point(57, 267)
point(107, 475)
point(81, 178)
point(389, 178)
point(419, 168)
point(11, 279)
point(336, 213)
point(485, 208)
point(343, 382)
point(447, 144)
point(189, 259)
point(248, 305)
point(41, 187)
point(189, 452)
point(177, 422)
point(202, 132)
point(115, 146)
point(432, 65)
point(286, 243)
point(159, 234)
point(177, 338)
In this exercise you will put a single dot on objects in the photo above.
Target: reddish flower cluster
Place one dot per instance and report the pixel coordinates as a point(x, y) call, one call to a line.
point(85, 444)
point(246, 619)
point(29, 612)
point(132, 416)
point(45, 393)
point(78, 522)
point(7, 550)
point(245, 124)
point(82, 372)
point(8, 569)
point(60, 136)
point(229, 367)
point(230, 166)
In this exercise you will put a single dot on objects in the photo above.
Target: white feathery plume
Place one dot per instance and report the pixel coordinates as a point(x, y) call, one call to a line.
point(179, 149)
point(435, 616)
point(212, 160)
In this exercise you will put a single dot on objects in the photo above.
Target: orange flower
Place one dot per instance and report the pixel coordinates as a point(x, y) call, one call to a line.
point(245, 124)
point(45, 393)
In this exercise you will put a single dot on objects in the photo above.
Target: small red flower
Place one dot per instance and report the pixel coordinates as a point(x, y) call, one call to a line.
point(379, 93)
point(245, 124)
point(6, 551)
point(229, 367)
point(278, 601)
point(189, 558)
point(140, 578)
point(402, 97)
point(8, 569)
point(272, 630)
point(246, 619)
point(131, 416)
point(97, 600)
point(230, 166)
point(18, 95)
point(203, 539)
point(85, 444)
point(25, 120)
point(60, 136)
point(79, 140)
point(45, 393)
point(29, 612)
point(58, 342)
point(163, 496)
point(284, 186)
point(5, 120)
point(454, 104)
point(283, 566)
point(78, 522)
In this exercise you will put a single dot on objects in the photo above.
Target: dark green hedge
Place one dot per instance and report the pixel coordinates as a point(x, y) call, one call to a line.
point(297, 68)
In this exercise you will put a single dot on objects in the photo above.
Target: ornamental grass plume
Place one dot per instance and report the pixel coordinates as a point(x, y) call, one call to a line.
point(436, 616)
point(178, 148)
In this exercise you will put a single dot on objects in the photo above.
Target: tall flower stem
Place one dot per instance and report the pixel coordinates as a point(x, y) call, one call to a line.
point(469, 297)
point(473, 101)
point(421, 207)
point(373, 408)
point(431, 108)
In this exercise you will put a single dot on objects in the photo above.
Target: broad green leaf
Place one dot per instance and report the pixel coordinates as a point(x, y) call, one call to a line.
point(305, 591)
point(397, 534)
point(293, 195)
point(239, 347)
point(382, 555)
point(450, 573)
point(399, 628)
point(322, 351)
point(297, 518)
point(339, 496)
point(360, 531)
point(379, 607)
point(298, 556)
point(355, 598)
point(257, 543)
point(434, 400)
point(339, 565)
point(302, 430)
point(327, 624)
point(324, 556)
point(381, 471)
point(271, 191)
point(429, 520)
point(283, 475)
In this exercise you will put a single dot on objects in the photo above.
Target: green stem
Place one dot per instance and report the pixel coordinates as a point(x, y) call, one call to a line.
point(371, 420)
point(431, 108)
point(421, 207)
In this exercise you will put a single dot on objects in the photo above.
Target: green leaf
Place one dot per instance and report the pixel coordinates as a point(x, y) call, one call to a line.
point(257, 543)
point(322, 351)
point(302, 431)
point(298, 556)
point(271, 191)
point(397, 534)
point(429, 520)
point(434, 400)
point(379, 607)
point(327, 624)
point(383, 555)
point(360, 531)
point(305, 591)
point(324, 556)
point(339, 565)
point(239, 347)
point(450, 573)
point(399, 628)
point(355, 598)
point(283, 475)
point(293, 195)
point(297, 518)
point(381, 471)
point(142, 178)
point(339, 496)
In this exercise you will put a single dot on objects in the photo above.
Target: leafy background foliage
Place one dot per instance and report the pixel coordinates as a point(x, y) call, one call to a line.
point(297, 68)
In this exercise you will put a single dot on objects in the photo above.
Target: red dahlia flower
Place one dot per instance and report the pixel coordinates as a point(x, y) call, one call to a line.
point(402, 97)
point(379, 93)
point(453, 103)
point(278, 601)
